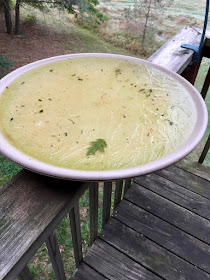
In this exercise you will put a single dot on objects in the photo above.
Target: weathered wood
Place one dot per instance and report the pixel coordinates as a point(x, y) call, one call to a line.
point(74, 216)
point(55, 256)
point(170, 212)
point(194, 168)
point(84, 272)
point(148, 253)
point(118, 192)
point(93, 206)
point(31, 207)
point(205, 150)
point(114, 265)
point(207, 35)
point(177, 194)
point(172, 56)
point(187, 180)
point(25, 274)
point(206, 85)
point(191, 71)
point(127, 184)
point(107, 196)
point(166, 235)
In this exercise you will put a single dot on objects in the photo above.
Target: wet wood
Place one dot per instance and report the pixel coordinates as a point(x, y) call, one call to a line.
point(170, 212)
point(166, 235)
point(25, 274)
point(93, 206)
point(127, 185)
point(31, 207)
point(55, 256)
point(115, 265)
point(206, 85)
point(195, 168)
point(148, 253)
point(107, 196)
point(84, 272)
point(118, 192)
point(74, 216)
point(177, 194)
point(205, 150)
point(187, 179)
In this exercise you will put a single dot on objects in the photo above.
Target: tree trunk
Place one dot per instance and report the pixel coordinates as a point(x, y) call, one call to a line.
point(17, 17)
point(146, 22)
point(7, 15)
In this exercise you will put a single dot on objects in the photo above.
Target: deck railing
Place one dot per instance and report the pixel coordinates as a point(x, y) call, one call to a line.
point(52, 201)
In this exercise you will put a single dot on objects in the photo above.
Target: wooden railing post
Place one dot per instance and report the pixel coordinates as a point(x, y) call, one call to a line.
point(190, 73)
point(25, 274)
point(107, 196)
point(74, 216)
point(127, 185)
point(118, 192)
point(206, 85)
point(55, 256)
point(205, 151)
point(93, 207)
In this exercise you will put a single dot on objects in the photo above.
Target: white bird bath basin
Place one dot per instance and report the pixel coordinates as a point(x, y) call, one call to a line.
point(51, 110)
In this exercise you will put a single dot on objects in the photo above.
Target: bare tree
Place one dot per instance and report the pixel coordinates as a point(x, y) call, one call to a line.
point(17, 17)
point(143, 11)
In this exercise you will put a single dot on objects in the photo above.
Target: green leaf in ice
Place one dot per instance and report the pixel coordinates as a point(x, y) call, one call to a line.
point(97, 145)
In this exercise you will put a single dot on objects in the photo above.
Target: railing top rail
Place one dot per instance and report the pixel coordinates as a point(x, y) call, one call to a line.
point(175, 58)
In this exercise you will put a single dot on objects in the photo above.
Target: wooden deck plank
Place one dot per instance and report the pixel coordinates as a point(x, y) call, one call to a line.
point(168, 236)
point(115, 265)
point(148, 253)
point(84, 272)
point(187, 180)
point(194, 168)
point(172, 56)
point(175, 193)
point(31, 207)
point(170, 212)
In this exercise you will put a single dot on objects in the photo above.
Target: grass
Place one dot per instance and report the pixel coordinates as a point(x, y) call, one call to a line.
point(5, 65)
point(7, 170)
point(82, 39)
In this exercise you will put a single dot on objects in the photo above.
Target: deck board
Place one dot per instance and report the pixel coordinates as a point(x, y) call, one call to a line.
point(170, 212)
point(84, 272)
point(113, 264)
point(194, 168)
point(187, 180)
point(148, 253)
point(166, 235)
point(176, 193)
point(160, 230)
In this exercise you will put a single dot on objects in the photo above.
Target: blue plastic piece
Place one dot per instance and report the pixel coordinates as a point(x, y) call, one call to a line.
point(197, 49)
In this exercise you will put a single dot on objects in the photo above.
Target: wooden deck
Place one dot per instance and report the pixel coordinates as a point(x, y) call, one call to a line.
point(160, 230)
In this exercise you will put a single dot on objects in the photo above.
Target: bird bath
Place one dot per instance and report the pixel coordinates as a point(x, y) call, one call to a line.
point(98, 117)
